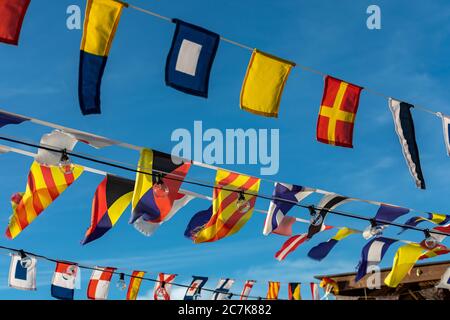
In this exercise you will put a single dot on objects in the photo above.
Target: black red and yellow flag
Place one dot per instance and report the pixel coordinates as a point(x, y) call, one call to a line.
point(338, 112)
point(112, 197)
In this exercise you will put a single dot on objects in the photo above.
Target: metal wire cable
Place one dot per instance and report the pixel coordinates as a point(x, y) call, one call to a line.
point(243, 192)
point(93, 268)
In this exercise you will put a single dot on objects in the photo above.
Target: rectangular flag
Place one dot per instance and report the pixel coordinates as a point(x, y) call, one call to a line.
point(371, 255)
point(315, 295)
point(338, 112)
point(404, 127)
point(7, 118)
point(100, 24)
point(222, 289)
point(405, 258)
point(387, 213)
point(445, 280)
point(294, 291)
point(290, 245)
point(278, 209)
point(231, 209)
point(112, 197)
point(274, 289)
point(147, 228)
point(44, 185)
point(446, 131)
point(135, 284)
point(163, 286)
point(157, 184)
point(264, 83)
point(439, 250)
point(195, 288)
point(22, 278)
point(63, 283)
point(190, 58)
point(248, 286)
point(321, 250)
point(12, 13)
point(98, 286)
point(436, 218)
point(327, 203)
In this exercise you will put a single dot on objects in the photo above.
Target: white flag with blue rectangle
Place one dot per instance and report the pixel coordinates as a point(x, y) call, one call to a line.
point(20, 277)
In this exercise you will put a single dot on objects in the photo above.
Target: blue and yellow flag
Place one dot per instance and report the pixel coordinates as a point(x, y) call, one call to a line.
point(405, 258)
point(100, 24)
point(320, 251)
point(294, 291)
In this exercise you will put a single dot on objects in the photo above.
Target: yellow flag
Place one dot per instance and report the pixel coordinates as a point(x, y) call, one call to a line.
point(100, 24)
point(264, 83)
point(405, 258)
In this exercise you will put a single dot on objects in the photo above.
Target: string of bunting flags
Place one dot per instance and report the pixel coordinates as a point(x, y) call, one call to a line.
point(189, 64)
point(155, 201)
point(23, 276)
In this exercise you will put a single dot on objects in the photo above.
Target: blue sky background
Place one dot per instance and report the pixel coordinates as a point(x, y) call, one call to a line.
point(407, 58)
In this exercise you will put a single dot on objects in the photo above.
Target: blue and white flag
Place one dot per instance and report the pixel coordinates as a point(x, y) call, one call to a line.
point(404, 126)
point(22, 278)
point(190, 58)
point(446, 130)
point(278, 209)
point(387, 213)
point(372, 254)
point(194, 290)
point(445, 280)
point(64, 279)
point(222, 289)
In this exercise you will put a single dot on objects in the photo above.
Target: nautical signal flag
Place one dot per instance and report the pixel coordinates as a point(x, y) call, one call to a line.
point(278, 208)
point(63, 283)
point(57, 140)
point(404, 127)
point(446, 131)
point(163, 286)
point(439, 250)
point(274, 289)
point(222, 289)
point(147, 228)
point(329, 285)
point(248, 286)
point(405, 258)
point(157, 184)
point(44, 185)
point(315, 295)
point(371, 255)
point(98, 286)
point(327, 203)
point(436, 218)
point(190, 58)
point(20, 277)
point(320, 251)
point(231, 209)
point(135, 284)
point(197, 222)
point(338, 112)
point(195, 288)
point(12, 13)
point(290, 245)
point(387, 213)
point(9, 118)
point(294, 291)
point(100, 24)
point(264, 83)
point(112, 197)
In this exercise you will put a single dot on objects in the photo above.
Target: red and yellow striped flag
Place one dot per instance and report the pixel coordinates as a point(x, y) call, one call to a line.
point(274, 288)
point(135, 284)
point(227, 217)
point(45, 184)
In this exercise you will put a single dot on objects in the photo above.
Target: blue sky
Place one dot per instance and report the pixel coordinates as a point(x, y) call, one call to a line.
point(407, 59)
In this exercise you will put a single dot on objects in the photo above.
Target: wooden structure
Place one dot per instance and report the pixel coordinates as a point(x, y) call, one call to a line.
point(418, 285)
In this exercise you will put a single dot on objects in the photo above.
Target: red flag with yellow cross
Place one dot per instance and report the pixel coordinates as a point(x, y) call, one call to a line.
point(338, 112)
